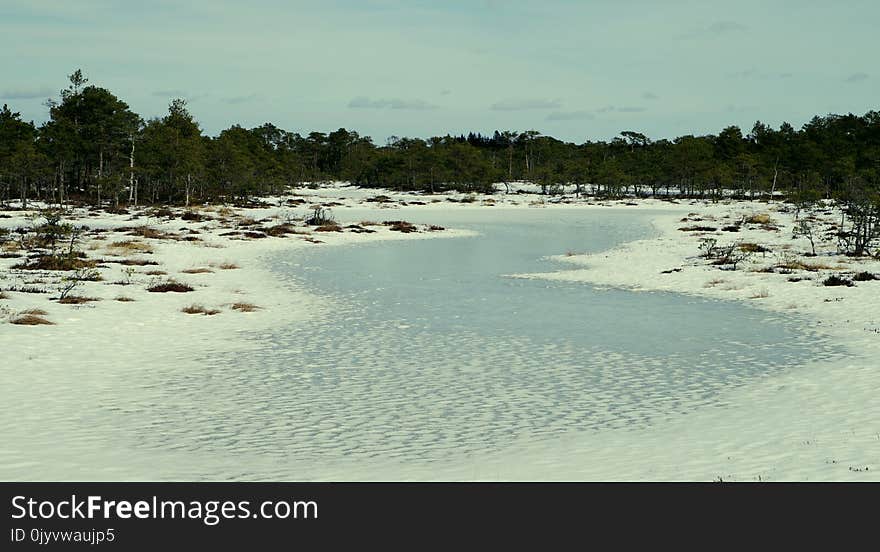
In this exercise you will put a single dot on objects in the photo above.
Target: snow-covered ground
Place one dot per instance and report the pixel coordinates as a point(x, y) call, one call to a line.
point(816, 422)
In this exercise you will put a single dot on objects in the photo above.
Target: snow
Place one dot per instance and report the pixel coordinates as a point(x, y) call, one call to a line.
point(818, 422)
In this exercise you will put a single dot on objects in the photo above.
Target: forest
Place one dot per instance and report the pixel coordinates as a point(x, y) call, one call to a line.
point(94, 149)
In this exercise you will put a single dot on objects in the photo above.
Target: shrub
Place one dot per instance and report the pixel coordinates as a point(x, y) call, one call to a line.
point(245, 307)
point(197, 271)
point(123, 299)
point(227, 266)
point(170, 286)
point(320, 217)
point(835, 280)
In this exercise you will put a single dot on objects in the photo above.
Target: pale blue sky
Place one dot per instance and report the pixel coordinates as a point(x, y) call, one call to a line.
point(574, 70)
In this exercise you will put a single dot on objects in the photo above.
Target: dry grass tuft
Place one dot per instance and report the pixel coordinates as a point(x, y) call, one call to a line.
point(401, 226)
point(201, 270)
point(199, 309)
point(760, 294)
point(170, 286)
point(30, 320)
point(245, 307)
point(331, 227)
point(761, 218)
point(124, 299)
point(802, 265)
point(152, 233)
point(76, 300)
point(130, 246)
point(225, 265)
point(36, 312)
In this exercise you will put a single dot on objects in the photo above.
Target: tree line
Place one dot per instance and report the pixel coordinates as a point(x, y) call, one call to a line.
point(94, 148)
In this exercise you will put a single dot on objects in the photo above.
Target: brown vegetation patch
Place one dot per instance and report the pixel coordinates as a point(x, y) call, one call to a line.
point(170, 286)
point(124, 299)
point(131, 246)
point(753, 248)
point(698, 228)
point(245, 307)
point(35, 312)
point(762, 218)
point(331, 227)
point(401, 226)
point(26, 289)
point(151, 233)
point(358, 229)
point(199, 309)
point(801, 265)
point(155, 273)
point(55, 262)
point(76, 300)
point(255, 235)
point(200, 270)
point(131, 262)
point(280, 230)
point(30, 320)
point(226, 266)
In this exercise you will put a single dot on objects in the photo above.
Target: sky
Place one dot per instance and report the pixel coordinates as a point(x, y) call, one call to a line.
point(576, 70)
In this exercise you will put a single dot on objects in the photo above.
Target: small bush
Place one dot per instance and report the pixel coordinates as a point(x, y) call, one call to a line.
point(199, 309)
point(320, 217)
point(227, 266)
point(197, 271)
point(35, 312)
point(835, 280)
point(30, 320)
point(124, 299)
point(170, 286)
point(245, 307)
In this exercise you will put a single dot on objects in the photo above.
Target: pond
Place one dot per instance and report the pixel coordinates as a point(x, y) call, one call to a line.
point(429, 351)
